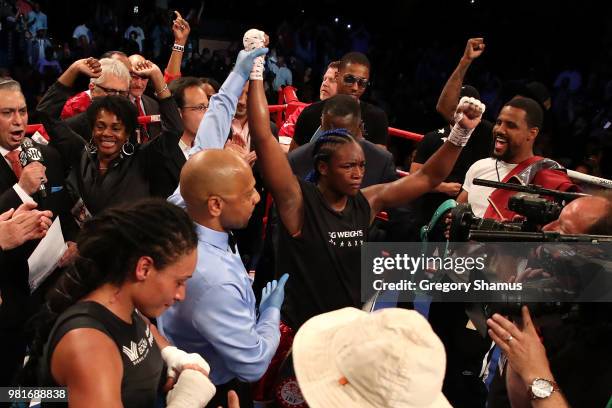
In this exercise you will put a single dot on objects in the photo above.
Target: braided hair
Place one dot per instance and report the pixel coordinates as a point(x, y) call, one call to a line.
point(324, 148)
point(110, 245)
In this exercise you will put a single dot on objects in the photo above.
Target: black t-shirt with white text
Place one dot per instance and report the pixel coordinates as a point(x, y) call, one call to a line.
point(323, 263)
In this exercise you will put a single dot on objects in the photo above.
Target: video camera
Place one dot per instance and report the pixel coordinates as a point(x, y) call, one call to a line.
point(570, 276)
point(531, 202)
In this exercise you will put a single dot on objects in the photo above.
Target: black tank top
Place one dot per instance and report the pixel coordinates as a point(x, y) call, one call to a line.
point(142, 362)
point(324, 261)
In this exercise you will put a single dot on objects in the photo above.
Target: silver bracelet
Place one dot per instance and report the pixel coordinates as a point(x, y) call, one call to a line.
point(178, 47)
point(157, 93)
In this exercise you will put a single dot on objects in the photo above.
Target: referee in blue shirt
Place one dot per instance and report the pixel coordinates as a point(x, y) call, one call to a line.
point(218, 317)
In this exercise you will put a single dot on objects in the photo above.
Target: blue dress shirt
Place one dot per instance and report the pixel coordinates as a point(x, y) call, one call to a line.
point(218, 318)
point(215, 128)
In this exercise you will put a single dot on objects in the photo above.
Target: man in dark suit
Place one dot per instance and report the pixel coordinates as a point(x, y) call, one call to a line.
point(145, 104)
point(342, 111)
point(18, 185)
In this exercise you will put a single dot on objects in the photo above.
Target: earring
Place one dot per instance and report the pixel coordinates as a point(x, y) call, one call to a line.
point(128, 148)
point(91, 147)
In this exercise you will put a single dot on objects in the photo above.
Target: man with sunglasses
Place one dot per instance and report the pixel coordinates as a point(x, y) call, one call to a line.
point(353, 79)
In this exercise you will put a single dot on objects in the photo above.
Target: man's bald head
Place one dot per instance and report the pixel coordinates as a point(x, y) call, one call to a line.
point(216, 181)
point(586, 215)
point(212, 172)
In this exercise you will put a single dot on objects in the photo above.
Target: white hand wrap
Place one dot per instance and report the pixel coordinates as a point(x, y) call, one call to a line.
point(175, 359)
point(193, 389)
point(252, 39)
point(459, 135)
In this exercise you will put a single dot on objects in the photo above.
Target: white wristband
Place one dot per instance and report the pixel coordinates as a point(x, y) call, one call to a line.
point(178, 47)
point(192, 390)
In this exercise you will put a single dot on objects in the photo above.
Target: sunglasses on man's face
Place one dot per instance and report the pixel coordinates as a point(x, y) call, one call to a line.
point(351, 79)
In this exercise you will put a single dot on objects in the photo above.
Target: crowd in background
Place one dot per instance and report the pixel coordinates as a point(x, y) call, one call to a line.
point(406, 78)
point(373, 78)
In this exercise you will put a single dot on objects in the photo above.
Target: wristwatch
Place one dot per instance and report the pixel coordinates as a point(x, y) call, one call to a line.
point(542, 388)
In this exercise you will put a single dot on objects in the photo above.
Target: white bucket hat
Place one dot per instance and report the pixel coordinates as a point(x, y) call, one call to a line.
point(350, 358)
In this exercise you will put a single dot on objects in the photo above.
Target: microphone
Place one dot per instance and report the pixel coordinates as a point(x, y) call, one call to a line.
point(30, 153)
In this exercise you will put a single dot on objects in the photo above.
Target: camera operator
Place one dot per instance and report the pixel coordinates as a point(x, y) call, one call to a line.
point(565, 365)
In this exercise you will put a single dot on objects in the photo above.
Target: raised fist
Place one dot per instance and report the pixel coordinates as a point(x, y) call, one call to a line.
point(254, 38)
point(469, 112)
point(474, 48)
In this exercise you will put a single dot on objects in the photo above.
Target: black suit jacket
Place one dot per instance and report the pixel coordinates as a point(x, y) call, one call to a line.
point(18, 305)
point(151, 107)
point(168, 173)
point(380, 167)
point(80, 124)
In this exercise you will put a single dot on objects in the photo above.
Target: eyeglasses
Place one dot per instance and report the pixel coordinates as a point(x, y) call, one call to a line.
point(201, 108)
point(351, 79)
point(110, 91)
